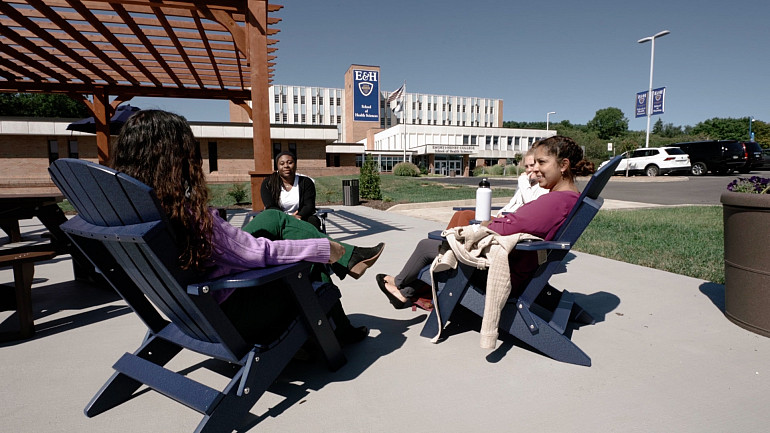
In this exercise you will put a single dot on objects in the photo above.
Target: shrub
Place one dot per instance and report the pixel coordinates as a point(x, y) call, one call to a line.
point(406, 169)
point(238, 192)
point(483, 170)
point(423, 168)
point(369, 182)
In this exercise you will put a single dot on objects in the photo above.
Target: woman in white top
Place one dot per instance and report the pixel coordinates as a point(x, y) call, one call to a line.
point(290, 192)
point(528, 189)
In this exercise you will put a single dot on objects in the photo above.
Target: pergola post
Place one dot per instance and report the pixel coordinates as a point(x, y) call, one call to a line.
point(260, 114)
point(101, 112)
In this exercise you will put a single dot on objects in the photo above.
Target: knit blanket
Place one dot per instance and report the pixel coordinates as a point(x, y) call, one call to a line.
point(481, 248)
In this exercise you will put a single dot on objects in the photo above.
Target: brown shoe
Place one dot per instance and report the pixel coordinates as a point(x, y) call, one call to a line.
point(363, 258)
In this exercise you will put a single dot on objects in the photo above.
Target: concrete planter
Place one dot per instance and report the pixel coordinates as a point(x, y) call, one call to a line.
point(747, 260)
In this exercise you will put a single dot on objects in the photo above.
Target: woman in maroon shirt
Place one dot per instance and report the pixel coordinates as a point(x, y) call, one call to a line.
point(558, 160)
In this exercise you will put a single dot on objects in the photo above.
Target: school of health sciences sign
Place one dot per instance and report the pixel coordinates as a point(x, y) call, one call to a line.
point(366, 96)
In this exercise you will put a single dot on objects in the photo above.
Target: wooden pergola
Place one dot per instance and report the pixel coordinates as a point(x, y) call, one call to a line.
point(105, 52)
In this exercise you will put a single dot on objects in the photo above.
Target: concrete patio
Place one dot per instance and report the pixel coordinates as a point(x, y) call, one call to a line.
point(665, 359)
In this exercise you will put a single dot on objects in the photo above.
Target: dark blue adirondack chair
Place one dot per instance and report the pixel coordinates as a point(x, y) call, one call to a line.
point(540, 315)
point(121, 228)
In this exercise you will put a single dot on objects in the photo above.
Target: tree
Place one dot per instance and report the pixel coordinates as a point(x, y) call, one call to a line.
point(658, 126)
point(723, 128)
point(369, 186)
point(41, 105)
point(608, 123)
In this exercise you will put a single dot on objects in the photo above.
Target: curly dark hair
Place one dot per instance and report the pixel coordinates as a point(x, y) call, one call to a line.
point(565, 147)
point(158, 148)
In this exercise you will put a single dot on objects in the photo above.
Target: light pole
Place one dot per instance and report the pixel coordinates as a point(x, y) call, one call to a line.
point(548, 118)
point(649, 92)
point(751, 136)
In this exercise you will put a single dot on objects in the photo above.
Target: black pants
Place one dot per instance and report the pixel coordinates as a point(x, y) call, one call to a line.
point(407, 280)
point(261, 314)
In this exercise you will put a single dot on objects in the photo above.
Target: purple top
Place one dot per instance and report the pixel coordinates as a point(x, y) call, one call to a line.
point(235, 250)
point(541, 217)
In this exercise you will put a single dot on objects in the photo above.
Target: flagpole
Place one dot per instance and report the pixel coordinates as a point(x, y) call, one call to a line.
point(403, 117)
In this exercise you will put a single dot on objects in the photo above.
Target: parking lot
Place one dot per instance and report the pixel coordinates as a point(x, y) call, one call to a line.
point(666, 190)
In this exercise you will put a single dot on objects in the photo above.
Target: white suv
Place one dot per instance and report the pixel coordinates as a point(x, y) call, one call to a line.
point(653, 161)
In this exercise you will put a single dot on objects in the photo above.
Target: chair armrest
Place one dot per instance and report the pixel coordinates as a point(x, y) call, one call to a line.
point(436, 234)
point(542, 245)
point(250, 278)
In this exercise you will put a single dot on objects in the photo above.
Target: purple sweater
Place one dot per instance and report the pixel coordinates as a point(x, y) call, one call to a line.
point(235, 250)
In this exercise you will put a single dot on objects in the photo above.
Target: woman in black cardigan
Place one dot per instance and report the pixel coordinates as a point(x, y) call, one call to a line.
point(290, 192)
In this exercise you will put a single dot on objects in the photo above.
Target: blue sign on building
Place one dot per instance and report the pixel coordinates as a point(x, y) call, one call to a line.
point(366, 95)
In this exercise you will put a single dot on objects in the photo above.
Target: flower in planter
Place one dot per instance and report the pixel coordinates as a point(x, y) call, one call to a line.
point(752, 185)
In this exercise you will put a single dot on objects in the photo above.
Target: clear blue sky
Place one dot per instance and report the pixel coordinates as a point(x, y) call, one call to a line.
point(570, 57)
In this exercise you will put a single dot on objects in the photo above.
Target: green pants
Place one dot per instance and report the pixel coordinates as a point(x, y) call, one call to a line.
point(276, 225)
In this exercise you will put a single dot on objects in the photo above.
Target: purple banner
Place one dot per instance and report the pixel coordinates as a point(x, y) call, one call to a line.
point(658, 97)
point(641, 104)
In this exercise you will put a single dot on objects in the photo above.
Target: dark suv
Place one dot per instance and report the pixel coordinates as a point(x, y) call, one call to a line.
point(754, 159)
point(717, 156)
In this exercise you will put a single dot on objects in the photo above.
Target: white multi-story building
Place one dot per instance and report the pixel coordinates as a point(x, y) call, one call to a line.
point(448, 134)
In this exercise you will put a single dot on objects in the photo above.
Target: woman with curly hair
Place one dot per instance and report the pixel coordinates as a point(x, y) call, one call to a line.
point(558, 160)
point(158, 148)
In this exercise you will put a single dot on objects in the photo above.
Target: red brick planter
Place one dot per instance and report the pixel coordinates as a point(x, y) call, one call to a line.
point(747, 260)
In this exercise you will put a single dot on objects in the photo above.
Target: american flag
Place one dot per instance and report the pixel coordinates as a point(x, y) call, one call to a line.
point(397, 94)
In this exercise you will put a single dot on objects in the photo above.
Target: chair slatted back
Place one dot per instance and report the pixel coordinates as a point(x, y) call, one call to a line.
point(124, 217)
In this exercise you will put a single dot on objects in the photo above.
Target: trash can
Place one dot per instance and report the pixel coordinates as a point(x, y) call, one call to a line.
point(350, 192)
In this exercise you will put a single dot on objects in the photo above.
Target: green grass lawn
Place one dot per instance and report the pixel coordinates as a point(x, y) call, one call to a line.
point(683, 240)
point(395, 189)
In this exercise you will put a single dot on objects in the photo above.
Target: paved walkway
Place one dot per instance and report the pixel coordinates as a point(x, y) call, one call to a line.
point(664, 357)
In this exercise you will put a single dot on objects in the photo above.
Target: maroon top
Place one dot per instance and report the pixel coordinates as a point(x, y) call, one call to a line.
point(541, 217)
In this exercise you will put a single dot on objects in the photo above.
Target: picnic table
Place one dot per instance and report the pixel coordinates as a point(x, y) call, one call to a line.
point(21, 254)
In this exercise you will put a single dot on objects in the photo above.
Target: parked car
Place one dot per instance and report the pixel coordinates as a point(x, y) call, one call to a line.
point(765, 159)
point(717, 156)
point(653, 161)
point(754, 159)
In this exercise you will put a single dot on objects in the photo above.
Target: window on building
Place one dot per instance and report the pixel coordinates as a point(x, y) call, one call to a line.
point(73, 149)
point(285, 117)
point(277, 98)
point(293, 148)
point(53, 150)
point(303, 118)
point(495, 141)
point(488, 140)
point(302, 99)
point(295, 99)
point(213, 164)
point(510, 143)
point(339, 119)
point(277, 117)
point(296, 118)
point(276, 149)
point(473, 139)
point(359, 161)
